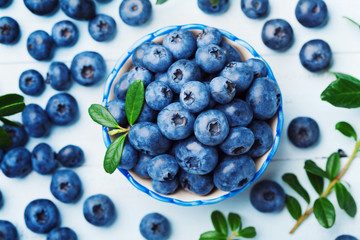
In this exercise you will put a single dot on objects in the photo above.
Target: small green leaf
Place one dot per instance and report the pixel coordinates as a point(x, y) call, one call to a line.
point(310, 166)
point(9, 99)
point(324, 212)
point(102, 116)
point(12, 109)
point(346, 129)
point(293, 206)
point(357, 24)
point(294, 183)
point(333, 165)
point(5, 140)
point(134, 101)
point(234, 221)
point(219, 222)
point(345, 200)
point(158, 2)
point(9, 122)
point(248, 232)
point(212, 235)
point(113, 154)
point(214, 3)
point(317, 182)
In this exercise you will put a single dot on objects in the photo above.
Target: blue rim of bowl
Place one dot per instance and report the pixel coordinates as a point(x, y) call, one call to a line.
point(121, 61)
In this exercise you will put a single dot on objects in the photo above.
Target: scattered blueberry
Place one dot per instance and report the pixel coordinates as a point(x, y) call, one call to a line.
point(99, 210)
point(238, 112)
point(140, 73)
point(62, 109)
point(311, 13)
point(267, 196)
point(277, 34)
point(222, 90)
point(129, 157)
point(158, 95)
point(181, 43)
point(263, 138)
point(65, 33)
point(59, 76)
point(255, 8)
point(43, 159)
point(163, 167)
point(18, 136)
point(198, 184)
point(239, 141)
point(79, 9)
point(142, 164)
point(62, 233)
point(155, 226)
point(207, 7)
point(181, 72)
point(316, 55)
point(165, 187)
point(208, 36)
point(66, 186)
point(303, 132)
point(5, 3)
point(71, 156)
point(102, 28)
point(258, 67)
point(135, 12)
point(240, 74)
point(31, 83)
point(9, 30)
point(36, 121)
point(157, 58)
point(8, 231)
point(121, 87)
point(40, 45)
point(117, 109)
point(139, 53)
point(231, 54)
point(194, 96)
point(346, 237)
point(16, 163)
point(42, 7)
point(210, 58)
point(147, 114)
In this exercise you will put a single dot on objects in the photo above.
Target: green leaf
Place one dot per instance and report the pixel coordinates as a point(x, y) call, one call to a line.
point(294, 183)
point(158, 2)
point(310, 166)
point(12, 109)
point(113, 154)
point(346, 129)
point(214, 2)
point(357, 24)
point(317, 182)
point(212, 235)
point(248, 232)
point(219, 222)
point(293, 206)
point(343, 92)
point(9, 122)
point(324, 212)
point(118, 131)
point(102, 116)
point(234, 221)
point(333, 165)
point(9, 99)
point(345, 200)
point(134, 101)
point(5, 140)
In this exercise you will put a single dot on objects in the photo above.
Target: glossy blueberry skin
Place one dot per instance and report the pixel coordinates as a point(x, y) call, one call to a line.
point(142, 164)
point(222, 90)
point(58, 76)
point(162, 77)
point(43, 159)
point(316, 55)
point(155, 226)
point(31, 83)
point(139, 53)
point(231, 54)
point(346, 237)
point(140, 73)
point(61, 233)
point(121, 87)
point(234, 172)
point(277, 34)
point(194, 96)
point(163, 167)
point(42, 7)
point(99, 210)
point(255, 8)
point(238, 112)
point(147, 114)
point(175, 122)
point(71, 156)
point(165, 187)
point(263, 138)
point(129, 157)
point(240, 74)
point(10, 30)
point(303, 132)
point(79, 9)
point(311, 13)
point(66, 186)
point(16, 163)
point(8, 231)
point(194, 157)
point(135, 12)
point(102, 28)
point(41, 216)
point(40, 45)
point(5, 3)
point(239, 141)
point(36, 122)
point(88, 68)
point(210, 58)
point(65, 33)
point(258, 67)
point(198, 184)
point(181, 43)
point(208, 36)
point(181, 72)
point(207, 8)
point(62, 109)
point(18, 136)
point(211, 127)
point(146, 136)
point(264, 98)
point(117, 109)
point(158, 95)
point(157, 58)
point(267, 196)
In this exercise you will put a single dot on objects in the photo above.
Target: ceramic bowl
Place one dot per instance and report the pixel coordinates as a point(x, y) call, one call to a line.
point(182, 197)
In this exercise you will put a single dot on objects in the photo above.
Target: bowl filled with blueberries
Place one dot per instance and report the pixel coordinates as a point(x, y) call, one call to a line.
point(211, 119)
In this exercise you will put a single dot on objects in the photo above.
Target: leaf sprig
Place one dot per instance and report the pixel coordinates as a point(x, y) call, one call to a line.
point(357, 24)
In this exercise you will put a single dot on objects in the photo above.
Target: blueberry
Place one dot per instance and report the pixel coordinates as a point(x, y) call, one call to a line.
point(40, 45)
point(163, 167)
point(181, 72)
point(31, 83)
point(18, 136)
point(62, 233)
point(175, 122)
point(240, 74)
point(234, 172)
point(121, 87)
point(303, 132)
point(5, 3)
point(41, 216)
point(1, 198)
point(155, 226)
point(62, 109)
point(103, 1)
point(117, 109)
point(263, 138)
point(258, 67)
point(157, 58)
point(88, 68)
point(9, 30)
point(43, 159)
point(207, 7)
point(211, 127)
point(316, 55)
point(78, 9)
point(277, 34)
point(142, 164)
point(239, 141)
point(66, 186)
point(162, 77)
point(135, 12)
point(311, 13)
point(36, 121)
point(158, 95)
point(58, 76)
point(267, 196)
point(129, 157)
point(198, 184)
point(8, 231)
point(346, 237)
point(181, 43)
point(222, 90)
point(231, 54)
point(102, 28)
point(210, 58)
point(208, 36)
point(238, 112)
point(99, 210)
point(16, 163)
point(71, 156)
point(146, 136)
point(194, 96)
point(42, 7)
point(139, 53)
point(147, 114)
point(264, 97)
point(255, 8)
point(1, 154)
point(165, 187)
point(140, 73)
point(65, 33)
